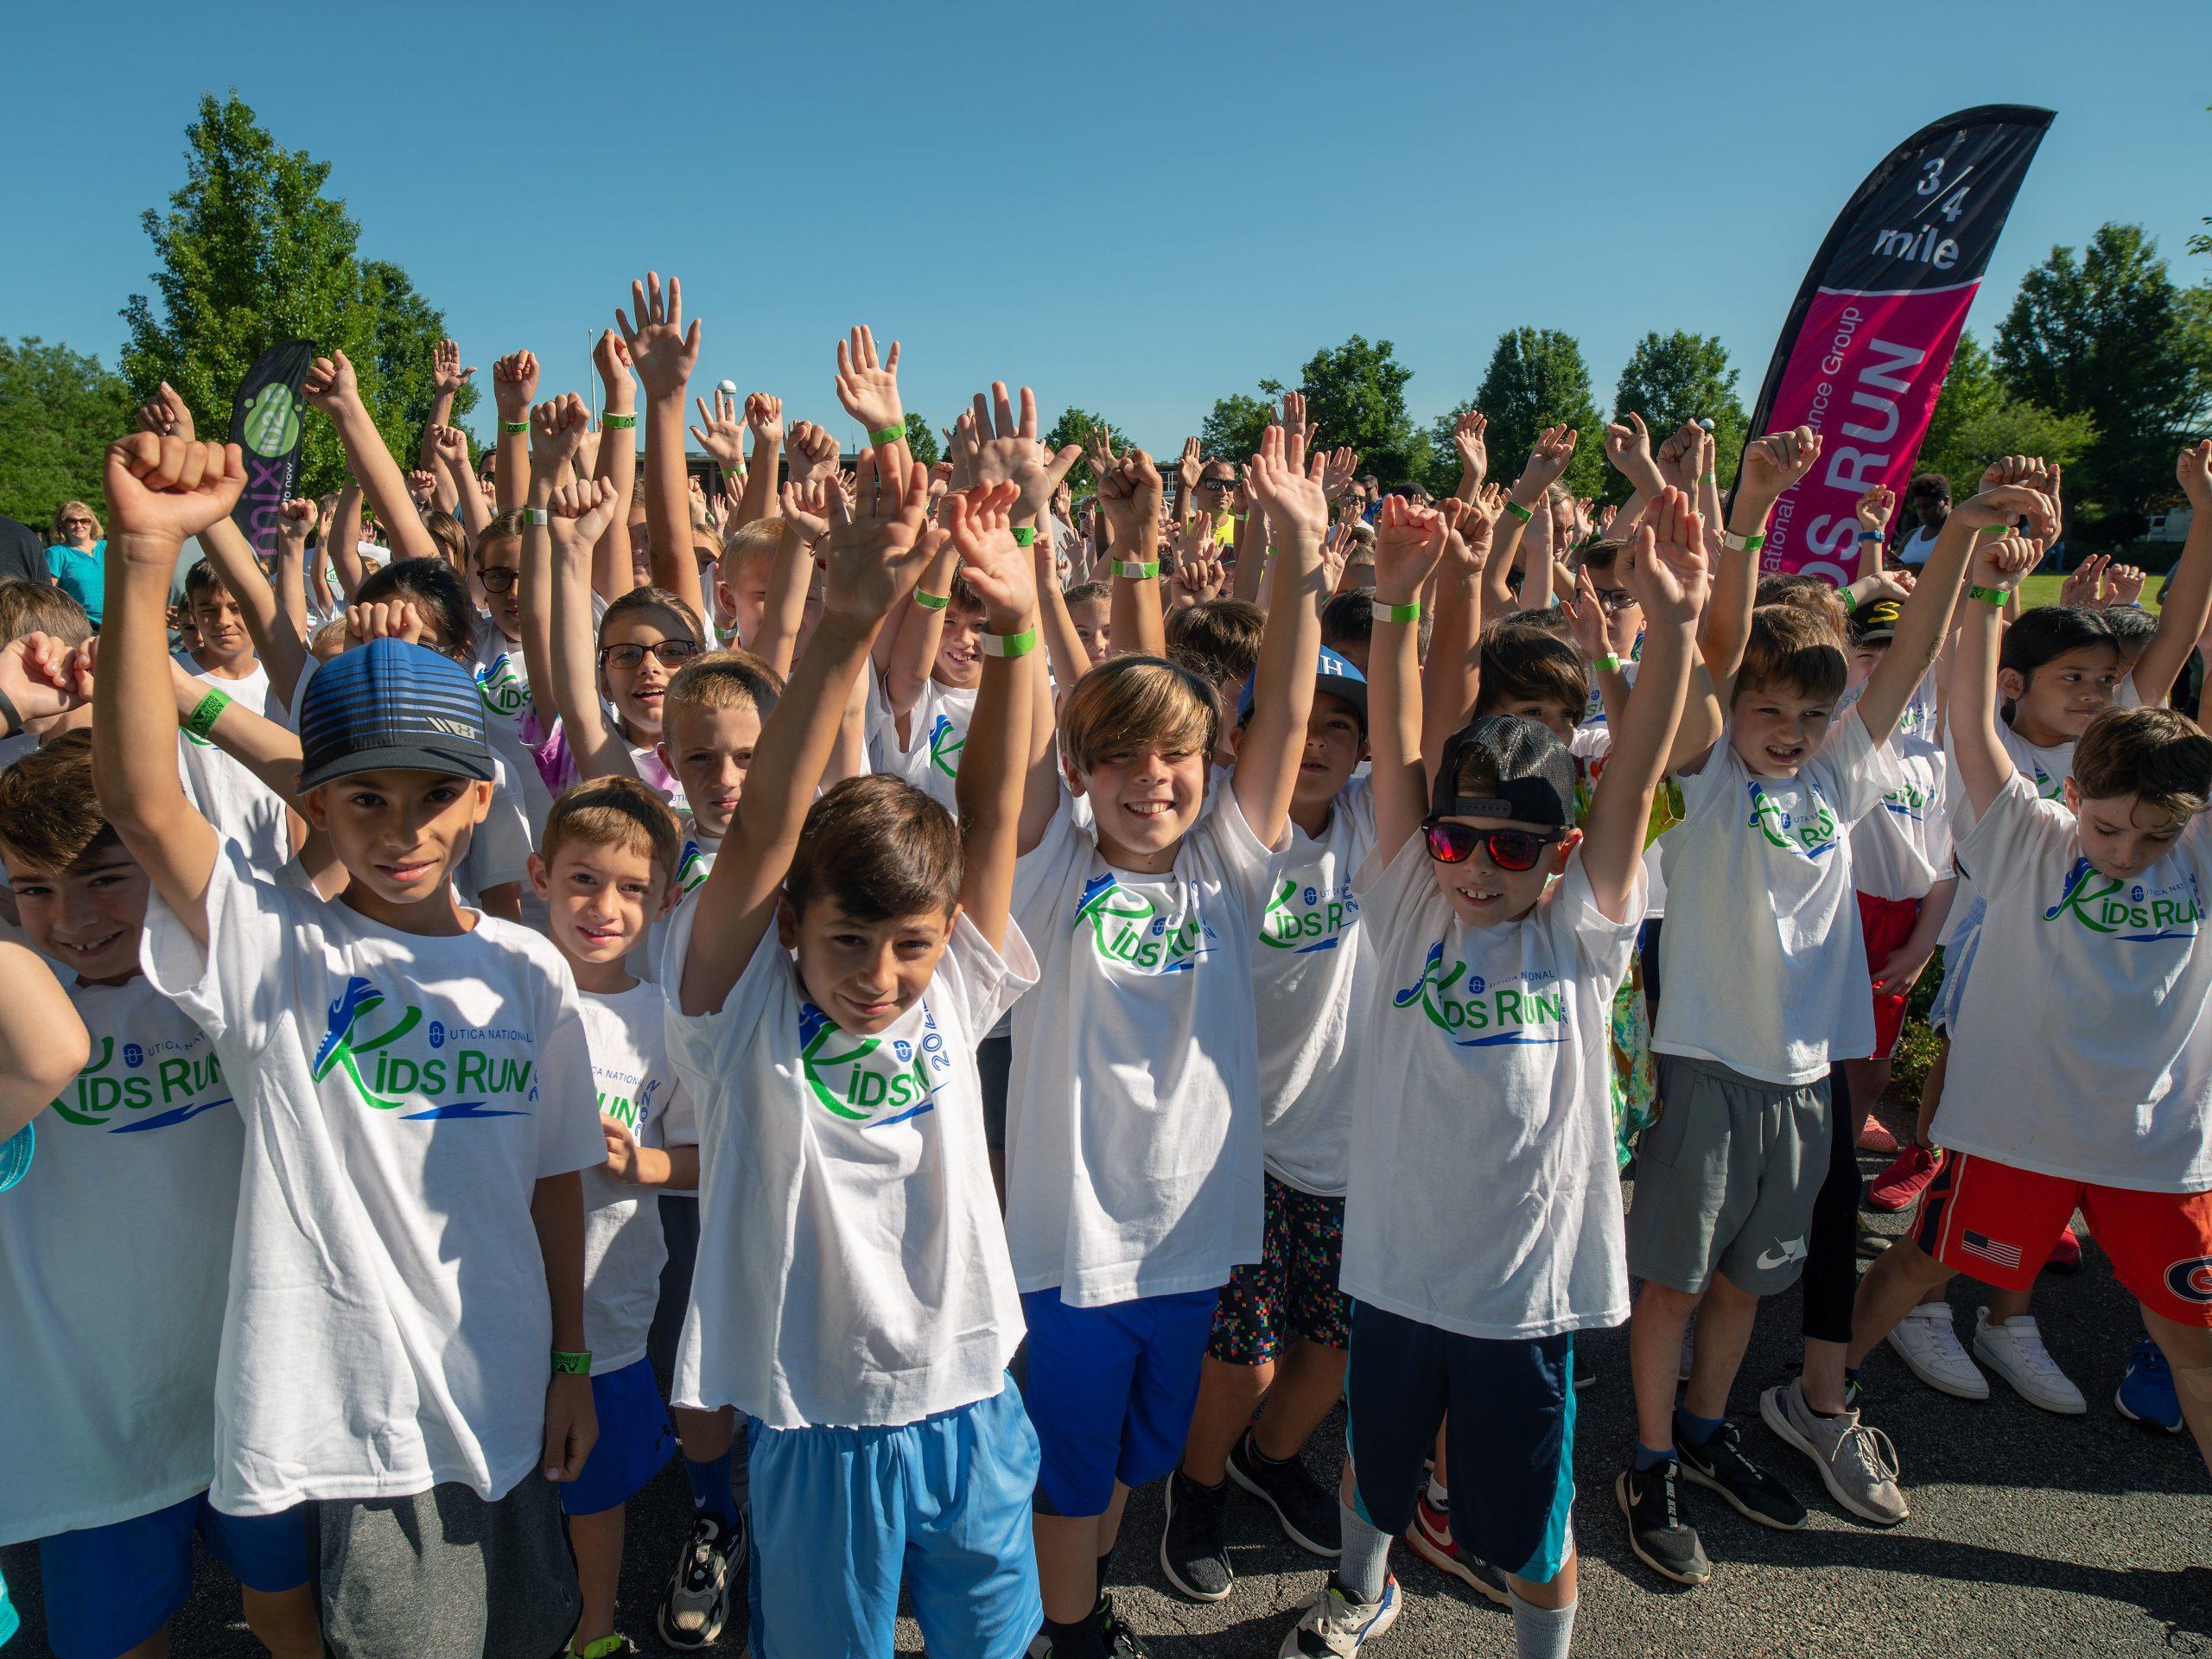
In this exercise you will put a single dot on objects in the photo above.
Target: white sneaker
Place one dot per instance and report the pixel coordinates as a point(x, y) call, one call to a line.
point(2014, 1351)
point(1928, 1343)
point(1333, 1624)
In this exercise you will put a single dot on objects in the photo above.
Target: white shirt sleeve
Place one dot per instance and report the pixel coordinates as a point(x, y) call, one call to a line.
point(232, 986)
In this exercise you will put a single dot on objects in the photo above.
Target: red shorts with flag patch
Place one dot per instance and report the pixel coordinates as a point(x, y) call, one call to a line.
point(1999, 1222)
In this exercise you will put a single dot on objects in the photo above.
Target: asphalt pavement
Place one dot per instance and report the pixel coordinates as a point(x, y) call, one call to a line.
point(2029, 1534)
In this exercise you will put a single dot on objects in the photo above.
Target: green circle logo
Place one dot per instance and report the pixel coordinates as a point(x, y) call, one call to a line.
point(272, 420)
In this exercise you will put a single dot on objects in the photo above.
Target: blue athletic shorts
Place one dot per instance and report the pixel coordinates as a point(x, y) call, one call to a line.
point(109, 1588)
point(1111, 1390)
point(635, 1441)
point(1511, 1453)
point(840, 1514)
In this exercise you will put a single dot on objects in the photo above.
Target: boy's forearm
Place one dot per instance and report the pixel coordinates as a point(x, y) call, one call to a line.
point(2182, 618)
point(574, 681)
point(1249, 583)
point(993, 770)
point(668, 502)
point(784, 611)
point(1935, 912)
point(920, 634)
point(613, 573)
point(384, 483)
point(345, 540)
point(1134, 608)
point(1452, 677)
point(1727, 624)
point(557, 1209)
point(472, 512)
point(1981, 761)
point(1282, 696)
point(757, 500)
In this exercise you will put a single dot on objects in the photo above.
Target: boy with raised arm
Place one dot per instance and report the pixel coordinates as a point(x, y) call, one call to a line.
point(1492, 985)
point(403, 1342)
point(828, 986)
point(1133, 1149)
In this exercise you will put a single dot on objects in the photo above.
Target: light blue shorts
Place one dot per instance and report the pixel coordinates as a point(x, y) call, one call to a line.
point(841, 1515)
point(109, 1588)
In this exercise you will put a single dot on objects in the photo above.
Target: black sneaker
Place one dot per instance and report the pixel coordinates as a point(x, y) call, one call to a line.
point(1663, 1540)
point(1306, 1509)
point(1720, 1465)
point(1192, 1553)
point(696, 1606)
point(1120, 1641)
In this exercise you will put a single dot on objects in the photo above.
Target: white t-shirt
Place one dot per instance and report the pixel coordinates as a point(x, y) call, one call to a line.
point(1903, 848)
point(387, 1327)
point(1485, 1195)
point(2046, 769)
point(2083, 1049)
point(502, 686)
point(1763, 955)
point(937, 724)
point(1133, 1163)
point(1302, 975)
point(240, 807)
point(852, 1266)
point(115, 1254)
point(623, 1251)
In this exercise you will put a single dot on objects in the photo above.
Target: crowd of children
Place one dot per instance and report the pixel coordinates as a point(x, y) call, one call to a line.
point(1086, 1013)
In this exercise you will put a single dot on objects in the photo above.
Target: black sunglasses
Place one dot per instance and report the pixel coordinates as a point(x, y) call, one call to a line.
point(500, 579)
point(1452, 842)
point(1216, 483)
point(669, 653)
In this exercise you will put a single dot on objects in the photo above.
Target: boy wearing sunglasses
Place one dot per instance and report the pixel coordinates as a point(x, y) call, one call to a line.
point(1496, 934)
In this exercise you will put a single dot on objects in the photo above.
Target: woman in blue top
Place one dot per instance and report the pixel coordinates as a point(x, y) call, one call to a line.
point(77, 558)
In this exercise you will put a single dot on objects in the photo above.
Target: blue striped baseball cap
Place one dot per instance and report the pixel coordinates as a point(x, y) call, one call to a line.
point(390, 706)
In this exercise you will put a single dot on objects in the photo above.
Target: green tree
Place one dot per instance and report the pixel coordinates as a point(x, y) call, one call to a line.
point(1075, 426)
point(1536, 378)
point(1235, 425)
point(1681, 376)
point(253, 251)
point(59, 411)
point(1977, 419)
point(1355, 395)
point(921, 441)
point(2108, 335)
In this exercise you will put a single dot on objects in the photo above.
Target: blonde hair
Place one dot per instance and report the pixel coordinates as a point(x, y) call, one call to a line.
point(615, 812)
point(721, 679)
point(758, 540)
point(1129, 702)
point(60, 537)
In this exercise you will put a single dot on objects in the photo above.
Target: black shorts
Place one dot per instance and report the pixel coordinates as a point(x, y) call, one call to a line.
point(994, 1065)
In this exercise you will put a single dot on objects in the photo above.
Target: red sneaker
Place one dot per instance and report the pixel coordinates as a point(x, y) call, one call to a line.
point(1430, 1538)
point(1896, 1187)
point(1875, 1137)
point(2066, 1254)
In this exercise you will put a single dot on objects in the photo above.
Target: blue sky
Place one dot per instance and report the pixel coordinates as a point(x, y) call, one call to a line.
point(1133, 208)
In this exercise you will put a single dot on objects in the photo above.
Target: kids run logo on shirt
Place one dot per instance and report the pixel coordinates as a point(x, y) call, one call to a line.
point(500, 689)
point(1309, 917)
point(1135, 934)
point(2047, 786)
point(872, 1078)
point(1814, 838)
point(1910, 801)
point(174, 1081)
point(631, 1110)
point(692, 869)
point(2169, 913)
point(392, 1077)
point(1527, 1013)
point(944, 747)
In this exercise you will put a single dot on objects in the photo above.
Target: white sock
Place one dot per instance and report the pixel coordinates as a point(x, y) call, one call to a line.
point(1541, 1632)
point(1364, 1567)
point(1438, 1497)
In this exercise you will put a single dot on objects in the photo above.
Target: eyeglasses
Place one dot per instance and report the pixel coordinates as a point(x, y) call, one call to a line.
point(1216, 483)
point(1452, 842)
point(1615, 599)
point(669, 653)
point(500, 578)
point(76, 523)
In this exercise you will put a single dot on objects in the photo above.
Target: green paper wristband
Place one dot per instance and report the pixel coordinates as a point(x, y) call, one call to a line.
point(571, 1364)
point(1608, 663)
point(1994, 530)
point(1709, 478)
point(930, 601)
point(618, 423)
point(1010, 644)
point(1025, 536)
point(1136, 572)
point(203, 717)
point(1850, 599)
point(514, 426)
point(1396, 613)
point(889, 435)
point(1524, 514)
point(1990, 595)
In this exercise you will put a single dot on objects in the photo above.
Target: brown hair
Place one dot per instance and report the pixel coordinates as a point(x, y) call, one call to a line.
point(1130, 700)
point(1810, 596)
point(2160, 756)
point(651, 599)
point(453, 541)
point(880, 848)
point(504, 526)
point(615, 812)
point(49, 812)
point(961, 597)
point(1085, 593)
point(1600, 556)
point(202, 582)
point(1526, 665)
point(721, 679)
point(40, 607)
point(1794, 648)
point(1217, 639)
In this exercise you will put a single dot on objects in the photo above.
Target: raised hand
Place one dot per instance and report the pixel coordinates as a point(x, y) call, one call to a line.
point(764, 417)
point(664, 353)
point(998, 445)
point(169, 489)
point(2017, 469)
point(1192, 463)
point(1670, 570)
point(1295, 424)
point(1338, 468)
point(1586, 618)
point(723, 435)
point(1003, 575)
point(872, 555)
point(1129, 495)
point(446, 376)
point(1628, 447)
point(1469, 437)
point(386, 619)
point(1773, 463)
point(1473, 522)
point(557, 433)
point(2192, 468)
point(1873, 509)
point(421, 489)
point(869, 387)
point(514, 384)
point(165, 415)
point(813, 453)
point(585, 507)
point(2126, 584)
point(2002, 561)
point(331, 385)
point(2000, 506)
point(1289, 487)
point(1678, 456)
point(806, 505)
point(1554, 449)
point(42, 676)
point(1098, 450)
point(1408, 541)
point(294, 519)
point(2084, 588)
point(450, 445)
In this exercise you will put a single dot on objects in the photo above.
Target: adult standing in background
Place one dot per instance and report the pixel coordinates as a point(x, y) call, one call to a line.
point(76, 556)
point(1929, 497)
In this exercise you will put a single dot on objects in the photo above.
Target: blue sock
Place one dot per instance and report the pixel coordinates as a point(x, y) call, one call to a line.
point(1646, 1458)
point(710, 1492)
point(1694, 1430)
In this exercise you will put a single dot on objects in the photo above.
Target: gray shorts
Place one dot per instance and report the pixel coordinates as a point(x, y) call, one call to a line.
point(1726, 1178)
point(445, 1575)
